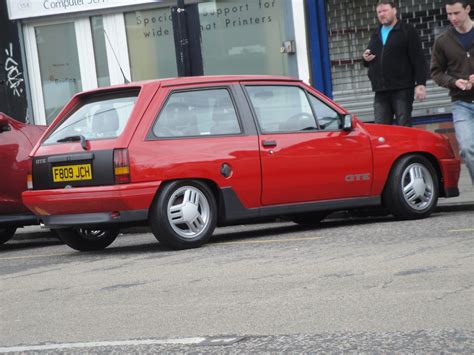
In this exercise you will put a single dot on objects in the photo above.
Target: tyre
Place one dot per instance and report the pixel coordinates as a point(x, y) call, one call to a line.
point(309, 219)
point(6, 233)
point(84, 239)
point(183, 215)
point(412, 190)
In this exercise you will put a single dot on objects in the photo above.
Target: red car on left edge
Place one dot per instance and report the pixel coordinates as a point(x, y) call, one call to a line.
point(16, 141)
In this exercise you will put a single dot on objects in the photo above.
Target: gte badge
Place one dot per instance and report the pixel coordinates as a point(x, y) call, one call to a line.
point(357, 177)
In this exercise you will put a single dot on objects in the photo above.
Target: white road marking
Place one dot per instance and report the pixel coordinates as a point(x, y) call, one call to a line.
point(63, 346)
point(461, 230)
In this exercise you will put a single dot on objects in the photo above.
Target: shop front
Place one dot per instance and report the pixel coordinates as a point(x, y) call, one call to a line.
point(76, 45)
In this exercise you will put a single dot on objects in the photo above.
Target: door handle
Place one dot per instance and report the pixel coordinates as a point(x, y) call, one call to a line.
point(269, 144)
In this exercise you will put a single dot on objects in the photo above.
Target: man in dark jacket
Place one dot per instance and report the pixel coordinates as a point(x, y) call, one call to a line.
point(452, 66)
point(397, 67)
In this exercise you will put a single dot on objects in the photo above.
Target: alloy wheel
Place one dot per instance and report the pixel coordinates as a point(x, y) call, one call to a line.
point(188, 212)
point(418, 186)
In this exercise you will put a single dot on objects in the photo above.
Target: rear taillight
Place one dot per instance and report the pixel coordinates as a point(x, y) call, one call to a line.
point(121, 166)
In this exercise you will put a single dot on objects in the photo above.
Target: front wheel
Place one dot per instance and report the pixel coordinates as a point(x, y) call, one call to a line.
point(184, 215)
point(6, 234)
point(84, 239)
point(412, 189)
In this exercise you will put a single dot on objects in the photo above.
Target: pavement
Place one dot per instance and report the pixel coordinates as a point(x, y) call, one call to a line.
point(465, 200)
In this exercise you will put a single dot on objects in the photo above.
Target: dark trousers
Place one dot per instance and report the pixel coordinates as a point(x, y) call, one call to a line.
point(398, 103)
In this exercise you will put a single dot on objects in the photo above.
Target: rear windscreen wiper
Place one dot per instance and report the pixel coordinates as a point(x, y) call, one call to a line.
point(75, 138)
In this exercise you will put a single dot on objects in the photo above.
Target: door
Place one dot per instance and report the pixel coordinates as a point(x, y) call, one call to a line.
point(307, 158)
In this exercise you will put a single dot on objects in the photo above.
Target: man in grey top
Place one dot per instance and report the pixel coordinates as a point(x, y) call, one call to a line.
point(452, 66)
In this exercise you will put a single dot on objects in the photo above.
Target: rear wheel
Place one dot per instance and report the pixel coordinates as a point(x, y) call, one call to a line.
point(84, 239)
point(310, 218)
point(412, 189)
point(184, 215)
point(6, 233)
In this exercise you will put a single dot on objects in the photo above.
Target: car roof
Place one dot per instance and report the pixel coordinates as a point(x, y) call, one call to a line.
point(187, 80)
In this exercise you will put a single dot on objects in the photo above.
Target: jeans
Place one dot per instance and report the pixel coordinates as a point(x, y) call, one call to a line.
point(463, 118)
point(394, 102)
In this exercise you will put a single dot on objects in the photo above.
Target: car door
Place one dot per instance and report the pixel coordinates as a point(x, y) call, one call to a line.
point(304, 157)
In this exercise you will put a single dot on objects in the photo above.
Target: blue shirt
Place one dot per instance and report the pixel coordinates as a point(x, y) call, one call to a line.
point(466, 38)
point(384, 31)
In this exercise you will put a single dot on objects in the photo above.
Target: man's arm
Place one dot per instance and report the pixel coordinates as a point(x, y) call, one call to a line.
point(439, 66)
point(368, 56)
point(417, 57)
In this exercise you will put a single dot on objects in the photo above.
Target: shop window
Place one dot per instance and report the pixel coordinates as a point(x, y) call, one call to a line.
point(100, 51)
point(151, 44)
point(281, 109)
point(59, 65)
point(245, 36)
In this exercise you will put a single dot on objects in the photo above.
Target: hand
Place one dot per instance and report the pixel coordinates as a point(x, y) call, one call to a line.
point(368, 56)
point(471, 79)
point(463, 84)
point(420, 92)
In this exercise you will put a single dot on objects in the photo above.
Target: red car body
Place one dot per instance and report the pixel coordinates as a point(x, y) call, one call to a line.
point(249, 172)
point(16, 141)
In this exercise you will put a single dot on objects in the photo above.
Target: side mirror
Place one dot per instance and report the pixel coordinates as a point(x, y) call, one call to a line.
point(347, 122)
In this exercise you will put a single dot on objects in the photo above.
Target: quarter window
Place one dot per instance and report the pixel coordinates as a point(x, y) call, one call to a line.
point(197, 113)
point(281, 109)
point(328, 118)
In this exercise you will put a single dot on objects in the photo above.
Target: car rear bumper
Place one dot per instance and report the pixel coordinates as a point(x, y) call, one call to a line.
point(91, 220)
point(451, 169)
point(91, 200)
point(18, 219)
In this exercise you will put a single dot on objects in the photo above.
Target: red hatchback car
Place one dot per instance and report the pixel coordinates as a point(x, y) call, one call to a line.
point(184, 155)
point(16, 141)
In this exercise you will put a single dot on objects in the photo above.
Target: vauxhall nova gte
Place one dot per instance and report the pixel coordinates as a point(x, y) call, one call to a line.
point(186, 155)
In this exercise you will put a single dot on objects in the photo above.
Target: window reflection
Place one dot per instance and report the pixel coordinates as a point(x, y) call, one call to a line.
point(100, 51)
point(245, 37)
point(151, 44)
point(59, 65)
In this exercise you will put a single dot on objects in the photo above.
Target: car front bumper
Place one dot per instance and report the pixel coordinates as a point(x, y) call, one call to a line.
point(451, 170)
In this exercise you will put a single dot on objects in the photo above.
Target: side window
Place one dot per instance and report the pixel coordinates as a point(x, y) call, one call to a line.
point(327, 117)
point(281, 108)
point(197, 113)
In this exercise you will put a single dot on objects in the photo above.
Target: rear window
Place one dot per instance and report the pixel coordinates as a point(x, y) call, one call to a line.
point(97, 117)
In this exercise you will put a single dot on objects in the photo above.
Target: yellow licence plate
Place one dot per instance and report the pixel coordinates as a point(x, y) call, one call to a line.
point(72, 173)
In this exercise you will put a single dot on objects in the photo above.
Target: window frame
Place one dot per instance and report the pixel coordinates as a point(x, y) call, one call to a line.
point(97, 97)
point(254, 113)
point(152, 137)
point(339, 114)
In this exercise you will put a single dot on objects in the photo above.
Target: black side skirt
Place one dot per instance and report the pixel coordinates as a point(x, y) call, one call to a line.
point(234, 211)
